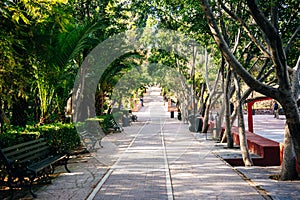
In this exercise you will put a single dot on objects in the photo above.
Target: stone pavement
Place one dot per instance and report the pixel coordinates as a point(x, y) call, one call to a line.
point(158, 158)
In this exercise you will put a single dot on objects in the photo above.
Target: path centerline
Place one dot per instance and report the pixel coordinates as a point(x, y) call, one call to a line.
point(143, 166)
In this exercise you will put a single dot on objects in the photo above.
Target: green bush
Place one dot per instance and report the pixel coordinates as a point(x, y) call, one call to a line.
point(61, 136)
point(106, 122)
point(11, 138)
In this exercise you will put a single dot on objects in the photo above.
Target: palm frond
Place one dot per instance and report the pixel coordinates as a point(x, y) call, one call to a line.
point(72, 43)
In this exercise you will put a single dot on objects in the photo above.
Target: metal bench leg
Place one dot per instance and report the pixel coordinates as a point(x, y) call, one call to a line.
point(12, 193)
point(30, 187)
point(66, 163)
point(67, 169)
point(100, 144)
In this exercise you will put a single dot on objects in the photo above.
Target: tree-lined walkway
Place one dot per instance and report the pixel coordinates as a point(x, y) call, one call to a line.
point(165, 161)
point(158, 158)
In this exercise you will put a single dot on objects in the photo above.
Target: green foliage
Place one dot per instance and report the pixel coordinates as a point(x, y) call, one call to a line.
point(43, 44)
point(61, 136)
point(14, 137)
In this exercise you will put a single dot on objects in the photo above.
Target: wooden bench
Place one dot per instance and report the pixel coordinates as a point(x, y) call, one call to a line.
point(29, 161)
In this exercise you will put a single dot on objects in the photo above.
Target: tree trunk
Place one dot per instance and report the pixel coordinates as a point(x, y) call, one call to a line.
point(288, 169)
point(292, 138)
point(19, 117)
point(84, 97)
point(201, 100)
point(183, 94)
point(228, 132)
point(212, 92)
point(241, 124)
point(1, 117)
point(222, 138)
point(206, 116)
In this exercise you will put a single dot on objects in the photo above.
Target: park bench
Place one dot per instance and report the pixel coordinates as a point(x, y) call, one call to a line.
point(111, 125)
point(132, 116)
point(29, 161)
point(128, 117)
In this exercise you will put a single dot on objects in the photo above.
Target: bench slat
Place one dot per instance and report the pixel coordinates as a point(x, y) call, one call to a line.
point(23, 144)
point(29, 159)
point(45, 163)
point(33, 155)
point(18, 151)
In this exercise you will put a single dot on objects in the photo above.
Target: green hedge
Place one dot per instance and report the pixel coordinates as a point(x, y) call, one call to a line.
point(9, 139)
point(62, 136)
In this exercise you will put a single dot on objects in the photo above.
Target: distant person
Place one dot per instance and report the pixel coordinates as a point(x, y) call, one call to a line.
point(142, 101)
point(165, 98)
point(275, 110)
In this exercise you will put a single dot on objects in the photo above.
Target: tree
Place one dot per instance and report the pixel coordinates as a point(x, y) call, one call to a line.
point(44, 44)
point(22, 31)
point(269, 42)
point(242, 135)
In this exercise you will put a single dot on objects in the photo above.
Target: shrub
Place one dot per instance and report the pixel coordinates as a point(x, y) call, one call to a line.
point(61, 136)
point(11, 138)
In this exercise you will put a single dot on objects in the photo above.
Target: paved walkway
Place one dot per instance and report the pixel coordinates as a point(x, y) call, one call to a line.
point(158, 158)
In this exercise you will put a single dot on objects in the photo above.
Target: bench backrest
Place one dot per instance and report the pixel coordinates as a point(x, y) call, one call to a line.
point(26, 152)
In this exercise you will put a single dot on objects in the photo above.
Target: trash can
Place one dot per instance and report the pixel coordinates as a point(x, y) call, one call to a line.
point(199, 122)
point(172, 114)
point(126, 121)
point(195, 123)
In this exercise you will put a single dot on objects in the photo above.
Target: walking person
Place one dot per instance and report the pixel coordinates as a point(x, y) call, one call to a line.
point(275, 110)
point(142, 101)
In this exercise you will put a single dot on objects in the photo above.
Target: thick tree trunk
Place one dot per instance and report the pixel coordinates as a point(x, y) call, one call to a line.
point(292, 134)
point(84, 97)
point(243, 139)
point(288, 169)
